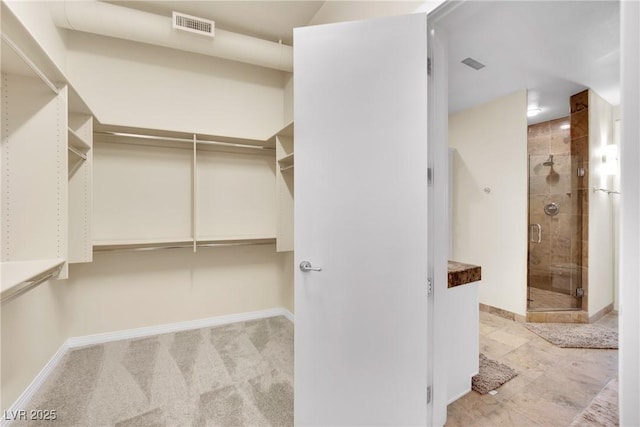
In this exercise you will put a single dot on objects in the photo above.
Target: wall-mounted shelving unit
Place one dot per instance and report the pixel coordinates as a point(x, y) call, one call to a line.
point(211, 190)
point(34, 165)
point(80, 147)
point(283, 141)
point(47, 133)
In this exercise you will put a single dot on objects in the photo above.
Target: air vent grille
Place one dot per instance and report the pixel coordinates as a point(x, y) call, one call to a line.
point(476, 65)
point(193, 24)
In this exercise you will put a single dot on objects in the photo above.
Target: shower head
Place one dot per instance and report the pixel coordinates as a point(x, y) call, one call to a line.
point(549, 161)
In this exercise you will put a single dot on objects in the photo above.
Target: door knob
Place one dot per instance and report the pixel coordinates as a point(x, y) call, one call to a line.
point(306, 266)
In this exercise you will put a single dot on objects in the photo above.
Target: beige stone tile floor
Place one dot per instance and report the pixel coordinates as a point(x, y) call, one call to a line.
point(542, 299)
point(553, 385)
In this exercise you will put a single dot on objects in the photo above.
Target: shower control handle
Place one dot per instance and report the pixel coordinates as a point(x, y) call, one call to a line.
point(535, 233)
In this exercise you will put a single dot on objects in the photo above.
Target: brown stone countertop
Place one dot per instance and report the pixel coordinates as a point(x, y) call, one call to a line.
point(461, 274)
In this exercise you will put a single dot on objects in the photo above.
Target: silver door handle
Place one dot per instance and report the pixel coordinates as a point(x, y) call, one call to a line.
point(535, 228)
point(306, 266)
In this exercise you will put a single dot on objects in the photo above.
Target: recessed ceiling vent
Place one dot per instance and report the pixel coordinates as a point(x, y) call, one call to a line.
point(193, 24)
point(473, 63)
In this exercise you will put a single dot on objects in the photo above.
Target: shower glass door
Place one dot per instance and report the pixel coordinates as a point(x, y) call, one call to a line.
point(555, 233)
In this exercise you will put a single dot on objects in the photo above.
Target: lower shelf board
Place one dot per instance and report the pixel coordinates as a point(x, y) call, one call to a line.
point(170, 243)
point(20, 276)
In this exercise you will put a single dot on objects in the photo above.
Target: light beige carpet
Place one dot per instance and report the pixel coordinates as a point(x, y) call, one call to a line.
point(603, 409)
point(233, 375)
point(491, 375)
point(576, 335)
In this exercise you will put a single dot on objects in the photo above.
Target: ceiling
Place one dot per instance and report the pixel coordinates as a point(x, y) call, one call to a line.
point(551, 48)
point(269, 20)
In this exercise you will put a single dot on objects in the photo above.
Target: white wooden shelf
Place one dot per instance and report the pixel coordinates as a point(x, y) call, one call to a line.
point(239, 240)
point(286, 130)
point(19, 276)
point(186, 242)
point(286, 162)
point(77, 142)
point(182, 140)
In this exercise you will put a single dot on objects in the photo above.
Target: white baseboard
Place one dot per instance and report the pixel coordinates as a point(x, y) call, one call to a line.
point(289, 315)
point(86, 340)
point(22, 401)
point(453, 399)
point(176, 327)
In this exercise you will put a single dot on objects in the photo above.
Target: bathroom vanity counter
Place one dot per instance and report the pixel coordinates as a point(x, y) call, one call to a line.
point(461, 304)
point(461, 274)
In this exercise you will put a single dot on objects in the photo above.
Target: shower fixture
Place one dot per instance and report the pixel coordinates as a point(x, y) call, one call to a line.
point(549, 161)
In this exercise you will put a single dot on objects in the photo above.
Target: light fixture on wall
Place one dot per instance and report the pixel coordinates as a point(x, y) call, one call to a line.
point(532, 112)
point(610, 160)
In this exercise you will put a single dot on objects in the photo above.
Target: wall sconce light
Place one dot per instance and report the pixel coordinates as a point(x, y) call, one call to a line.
point(610, 160)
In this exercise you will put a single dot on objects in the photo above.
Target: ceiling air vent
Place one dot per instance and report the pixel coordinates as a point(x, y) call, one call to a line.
point(476, 65)
point(193, 24)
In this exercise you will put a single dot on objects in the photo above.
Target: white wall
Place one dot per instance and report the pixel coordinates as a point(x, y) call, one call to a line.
point(601, 232)
point(615, 204)
point(630, 212)
point(124, 290)
point(490, 230)
point(132, 84)
point(33, 329)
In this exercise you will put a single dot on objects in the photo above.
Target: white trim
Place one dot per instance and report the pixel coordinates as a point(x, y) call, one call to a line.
point(175, 327)
point(453, 399)
point(22, 401)
point(86, 340)
point(289, 315)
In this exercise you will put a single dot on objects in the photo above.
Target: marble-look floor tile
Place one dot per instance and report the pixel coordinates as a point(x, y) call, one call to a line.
point(507, 338)
point(492, 348)
point(553, 385)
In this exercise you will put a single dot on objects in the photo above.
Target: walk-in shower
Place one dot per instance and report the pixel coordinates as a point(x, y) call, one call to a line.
point(555, 220)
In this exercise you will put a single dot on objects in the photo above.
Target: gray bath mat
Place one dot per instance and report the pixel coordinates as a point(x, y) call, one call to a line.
point(575, 335)
point(491, 375)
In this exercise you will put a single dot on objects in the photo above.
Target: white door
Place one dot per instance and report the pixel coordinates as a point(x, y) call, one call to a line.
point(361, 216)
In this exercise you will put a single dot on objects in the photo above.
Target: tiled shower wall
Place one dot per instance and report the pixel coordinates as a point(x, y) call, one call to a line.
point(556, 263)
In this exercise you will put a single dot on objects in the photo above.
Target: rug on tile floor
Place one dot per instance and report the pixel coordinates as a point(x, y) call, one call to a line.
point(576, 335)
point(603, 409)
point(491, 375)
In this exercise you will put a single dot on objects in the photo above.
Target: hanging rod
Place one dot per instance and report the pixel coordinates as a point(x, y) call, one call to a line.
point(29, 63)
point(284, 168)
point(183, 246)
point(604, 190)
point(77, 153)
point(32, 284)
point(190, 140)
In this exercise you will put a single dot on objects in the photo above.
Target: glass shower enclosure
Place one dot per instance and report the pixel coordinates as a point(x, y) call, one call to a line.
point(556, 200)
